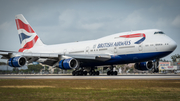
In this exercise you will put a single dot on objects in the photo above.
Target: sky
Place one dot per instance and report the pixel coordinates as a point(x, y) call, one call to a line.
point(62, 21)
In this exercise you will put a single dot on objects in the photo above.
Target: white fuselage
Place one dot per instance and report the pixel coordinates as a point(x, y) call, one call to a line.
point(106, 45)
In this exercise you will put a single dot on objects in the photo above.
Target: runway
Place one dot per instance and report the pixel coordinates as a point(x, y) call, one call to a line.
point(167, 77)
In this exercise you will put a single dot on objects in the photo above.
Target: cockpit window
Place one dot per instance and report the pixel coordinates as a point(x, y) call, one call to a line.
point(159, 32)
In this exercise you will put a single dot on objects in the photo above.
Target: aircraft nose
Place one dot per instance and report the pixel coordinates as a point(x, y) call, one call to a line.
point(173, 45)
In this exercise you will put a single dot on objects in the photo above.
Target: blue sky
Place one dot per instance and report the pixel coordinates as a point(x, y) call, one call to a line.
point(61, 21)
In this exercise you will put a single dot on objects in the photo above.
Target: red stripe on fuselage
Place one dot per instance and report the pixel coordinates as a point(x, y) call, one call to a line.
point(29, 44)
point(134, 35)
point(22, 25)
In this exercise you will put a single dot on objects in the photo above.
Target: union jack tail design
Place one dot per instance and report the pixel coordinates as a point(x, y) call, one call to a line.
point(27, 36)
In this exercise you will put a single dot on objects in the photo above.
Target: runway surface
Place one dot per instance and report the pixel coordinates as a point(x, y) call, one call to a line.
point(170, 77)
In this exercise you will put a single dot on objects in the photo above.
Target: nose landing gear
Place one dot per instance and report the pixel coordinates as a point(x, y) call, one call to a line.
point(155, 68)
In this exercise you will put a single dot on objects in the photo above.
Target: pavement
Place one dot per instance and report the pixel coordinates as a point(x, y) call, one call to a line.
point(68, 76)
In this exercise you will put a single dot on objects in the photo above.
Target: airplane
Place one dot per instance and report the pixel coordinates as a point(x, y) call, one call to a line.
point(142, 47)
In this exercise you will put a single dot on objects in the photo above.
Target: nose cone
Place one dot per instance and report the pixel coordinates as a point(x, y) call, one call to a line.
point(172, 45)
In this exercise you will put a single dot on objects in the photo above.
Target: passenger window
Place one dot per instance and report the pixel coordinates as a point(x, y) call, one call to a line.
point(151, 44)
point(146, 45)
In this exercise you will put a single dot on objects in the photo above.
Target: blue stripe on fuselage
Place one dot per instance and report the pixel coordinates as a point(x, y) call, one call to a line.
point(140, 57)
point(140, 41)
point(129, 58)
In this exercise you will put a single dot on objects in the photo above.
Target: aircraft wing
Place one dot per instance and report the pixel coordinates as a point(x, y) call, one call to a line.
point(52, 58)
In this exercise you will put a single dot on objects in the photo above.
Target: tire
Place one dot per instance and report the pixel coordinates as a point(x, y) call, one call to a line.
point(90, 73)
point(112, 73)
point(97, 72)
point(115, 72)
point(76, 73)
point(94, 73)
point(108, 73)
point(73, 73)
point(81, 73)
point(157, 70)
point(85, 73)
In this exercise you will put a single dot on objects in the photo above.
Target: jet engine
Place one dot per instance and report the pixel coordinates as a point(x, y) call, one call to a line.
point(144, 65)
point(17, 61)
point(70, 63)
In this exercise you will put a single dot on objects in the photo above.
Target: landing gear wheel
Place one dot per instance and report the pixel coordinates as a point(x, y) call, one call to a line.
point(90, 73)
point(112, 73)
point(108, 73)
point(73, 73)
point(156, 70)
point(76, 73)
point(94, 73)
point(115, 72)
point(80, 73)
point(97, 72)
point(85, 73)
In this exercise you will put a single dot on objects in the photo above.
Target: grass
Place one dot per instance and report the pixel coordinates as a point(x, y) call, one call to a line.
point(89, 90)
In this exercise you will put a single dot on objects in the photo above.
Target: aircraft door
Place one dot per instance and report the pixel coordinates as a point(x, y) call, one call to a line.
point(87, 50)
point(156, 46)
point(65, 51)
point(140, 47)
point(115, 50)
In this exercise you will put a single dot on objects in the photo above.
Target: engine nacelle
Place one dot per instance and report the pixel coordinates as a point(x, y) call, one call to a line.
point(17, 61)
point(70, 63)
point(144, 65)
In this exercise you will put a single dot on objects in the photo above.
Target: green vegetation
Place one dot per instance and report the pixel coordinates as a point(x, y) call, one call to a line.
point(2, 63)
point(56, 71)
point(31, 69)
point(164, 60)
point(173, 57)
point(89, 90)
point(34, 68)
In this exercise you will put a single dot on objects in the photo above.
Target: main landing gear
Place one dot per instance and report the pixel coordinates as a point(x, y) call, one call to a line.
point(79, 72)
point(93, 72)
point(82, 72)
point(111, 72)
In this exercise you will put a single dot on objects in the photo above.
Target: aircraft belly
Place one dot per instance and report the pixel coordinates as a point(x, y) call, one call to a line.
point(128, 58)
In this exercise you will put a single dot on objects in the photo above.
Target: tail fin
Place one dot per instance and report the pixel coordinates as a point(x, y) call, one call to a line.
point(27, 36)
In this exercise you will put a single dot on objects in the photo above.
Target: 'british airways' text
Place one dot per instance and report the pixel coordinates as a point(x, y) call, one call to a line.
point(111, 44)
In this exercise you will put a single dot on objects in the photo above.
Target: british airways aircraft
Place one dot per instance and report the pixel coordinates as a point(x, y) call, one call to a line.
point(143, 47)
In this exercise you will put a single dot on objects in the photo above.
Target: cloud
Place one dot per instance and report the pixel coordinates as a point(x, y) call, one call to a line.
point(5, 26)
point(92, 26)
point(134, 19)
point(72, 19)
point(163, 22)
point(67, 18)
point(176, 21)
point(138, 19)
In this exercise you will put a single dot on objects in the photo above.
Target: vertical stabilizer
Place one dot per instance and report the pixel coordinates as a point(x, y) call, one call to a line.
point(27, 36)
